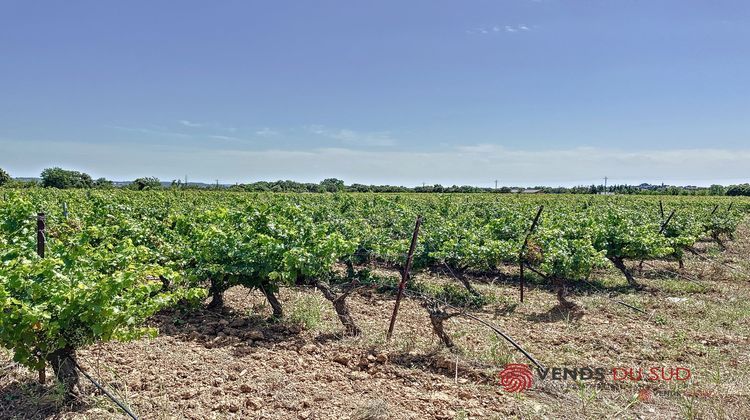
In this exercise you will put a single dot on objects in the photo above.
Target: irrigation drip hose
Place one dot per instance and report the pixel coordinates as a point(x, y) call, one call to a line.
point(682, 276)
point(631, 307)
point(475, 318)
point(616, 301)
point(595, 287)
point(723, 264)
point(104, 390)
point(506, 337)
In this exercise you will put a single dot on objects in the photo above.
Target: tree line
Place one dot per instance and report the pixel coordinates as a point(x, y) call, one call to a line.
point(66, 179)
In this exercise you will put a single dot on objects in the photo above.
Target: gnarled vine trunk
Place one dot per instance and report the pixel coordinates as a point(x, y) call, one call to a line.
point(717, 237)
point(216, 291)
point(437, 318)
point(562, 293)
point(350, 272)
point(65, 371)
point(342, 310)
point(460, 275)
point(278, 311)
point(620, 264)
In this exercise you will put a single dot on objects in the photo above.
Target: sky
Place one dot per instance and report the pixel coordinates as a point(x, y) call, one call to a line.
point(527, 92)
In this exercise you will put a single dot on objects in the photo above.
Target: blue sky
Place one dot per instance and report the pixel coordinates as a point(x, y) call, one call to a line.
point(455, 92)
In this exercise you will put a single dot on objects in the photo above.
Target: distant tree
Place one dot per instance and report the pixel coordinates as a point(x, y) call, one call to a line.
point(716, 190)
point(4, 177)
point(332, 185)
point(103, 183)
point(146, 183)
point(672, 190)
point(557, 190)
point(62, 178)
point(359, 188)
point(736, 190)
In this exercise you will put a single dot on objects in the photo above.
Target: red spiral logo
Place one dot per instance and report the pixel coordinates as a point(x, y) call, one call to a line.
point(645, 395)
point(516, 377)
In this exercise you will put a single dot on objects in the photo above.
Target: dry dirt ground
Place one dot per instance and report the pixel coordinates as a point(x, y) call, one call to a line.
point(238, 365)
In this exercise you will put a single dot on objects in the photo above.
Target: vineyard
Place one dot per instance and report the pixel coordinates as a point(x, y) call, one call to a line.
point(208, 303)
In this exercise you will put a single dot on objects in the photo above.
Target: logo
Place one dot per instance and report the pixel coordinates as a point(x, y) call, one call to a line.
point(516, 377)
point(645, 395)
point(651, 374)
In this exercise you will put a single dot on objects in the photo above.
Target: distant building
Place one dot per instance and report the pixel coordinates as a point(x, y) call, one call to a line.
point(649, 187)
point(531, 191)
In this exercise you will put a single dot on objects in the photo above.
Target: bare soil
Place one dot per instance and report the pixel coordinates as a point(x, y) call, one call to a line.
point(237, 364)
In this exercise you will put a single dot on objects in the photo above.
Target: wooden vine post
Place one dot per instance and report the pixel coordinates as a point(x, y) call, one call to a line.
point(666, 222)
point(404, 276)
point(40, 245)
point(523, 248)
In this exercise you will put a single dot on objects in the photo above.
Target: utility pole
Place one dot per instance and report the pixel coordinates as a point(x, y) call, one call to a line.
point(495, 184)
point(605, 183)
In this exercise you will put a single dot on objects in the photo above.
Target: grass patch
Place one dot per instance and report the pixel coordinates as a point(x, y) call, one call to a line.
point(497, 354)
point(453, 294)
point(307, 312)
point(372, 410)
point(677, 286)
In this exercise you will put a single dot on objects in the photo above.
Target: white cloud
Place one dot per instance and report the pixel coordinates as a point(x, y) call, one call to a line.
point(351, 137)
point(150, 131)
point(208, 125)
point(494, 29)
point(187, 123)
point(267, 132)
point(471, 164)
point(230, 138)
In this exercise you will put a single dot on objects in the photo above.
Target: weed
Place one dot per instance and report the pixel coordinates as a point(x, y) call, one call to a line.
point(306, 312)
point(373, 410)
point(688, 410)
point(497, 354)
point(461, 415)
point(586, 394)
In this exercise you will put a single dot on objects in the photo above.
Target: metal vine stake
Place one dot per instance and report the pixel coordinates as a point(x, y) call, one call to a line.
point(523, 248)
point(404, 276)
point(40, 245)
